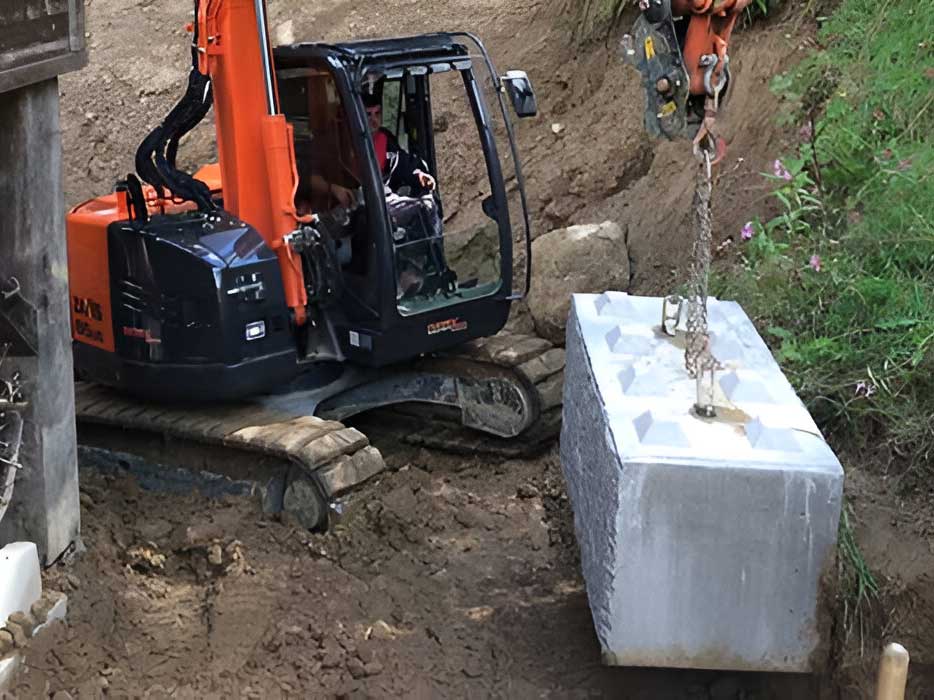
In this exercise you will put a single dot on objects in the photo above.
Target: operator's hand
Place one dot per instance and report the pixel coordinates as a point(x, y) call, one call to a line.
point(426, 180)
point(343, 196)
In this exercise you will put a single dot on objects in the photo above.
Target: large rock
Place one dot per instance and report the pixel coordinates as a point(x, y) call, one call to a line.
point(578, 259)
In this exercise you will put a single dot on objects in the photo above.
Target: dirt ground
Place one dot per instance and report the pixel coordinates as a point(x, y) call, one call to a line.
point(451, 577)
point(447, 578)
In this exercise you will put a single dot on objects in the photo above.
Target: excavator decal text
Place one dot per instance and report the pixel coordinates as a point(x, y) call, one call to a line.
point(88, 308)
point(87, 313)
point(452, 325)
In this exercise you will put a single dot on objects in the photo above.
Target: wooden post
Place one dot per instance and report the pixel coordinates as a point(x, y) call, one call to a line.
point(39, 40)
point(44, 507)
point(893, 673)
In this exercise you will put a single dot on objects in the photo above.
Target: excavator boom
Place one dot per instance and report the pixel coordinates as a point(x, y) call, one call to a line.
point(254, 142)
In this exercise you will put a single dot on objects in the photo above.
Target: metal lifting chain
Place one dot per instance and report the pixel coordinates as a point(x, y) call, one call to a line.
point(698, 358)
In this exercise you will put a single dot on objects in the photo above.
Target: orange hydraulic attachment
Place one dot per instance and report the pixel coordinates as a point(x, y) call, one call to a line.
point(255, 145)
point(712, 23)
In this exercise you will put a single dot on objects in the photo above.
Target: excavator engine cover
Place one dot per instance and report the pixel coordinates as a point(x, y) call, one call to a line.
point(198, 310)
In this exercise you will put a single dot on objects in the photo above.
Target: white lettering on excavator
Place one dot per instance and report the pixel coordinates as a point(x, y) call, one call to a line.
point(452, 325)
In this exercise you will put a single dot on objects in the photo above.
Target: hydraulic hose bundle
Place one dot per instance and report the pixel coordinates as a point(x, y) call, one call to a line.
point(156, 156)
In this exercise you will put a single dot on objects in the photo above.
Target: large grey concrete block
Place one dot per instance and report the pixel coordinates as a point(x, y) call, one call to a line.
point(703, 542)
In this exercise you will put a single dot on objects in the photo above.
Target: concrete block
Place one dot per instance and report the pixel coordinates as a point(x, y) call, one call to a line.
point(20, 592)
point(20, 579)
point(703, 541)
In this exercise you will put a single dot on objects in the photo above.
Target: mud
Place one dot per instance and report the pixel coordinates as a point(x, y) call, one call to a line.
point(447, 578)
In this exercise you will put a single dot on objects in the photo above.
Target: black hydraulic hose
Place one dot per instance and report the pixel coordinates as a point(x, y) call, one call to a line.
point(137, 199)
point(157, 154)
point(145, 168)
point(189, 112)
point(197, 116)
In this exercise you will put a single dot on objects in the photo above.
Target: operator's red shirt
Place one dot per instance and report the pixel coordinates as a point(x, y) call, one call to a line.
point(381, 144)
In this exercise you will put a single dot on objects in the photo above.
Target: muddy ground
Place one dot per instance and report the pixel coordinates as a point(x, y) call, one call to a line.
point(451, 577)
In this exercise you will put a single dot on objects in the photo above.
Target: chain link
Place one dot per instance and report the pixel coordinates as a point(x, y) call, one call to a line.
point(698, 358)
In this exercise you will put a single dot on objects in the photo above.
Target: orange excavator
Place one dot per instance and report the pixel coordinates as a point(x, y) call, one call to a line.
point(681, 49)
point(328, 264)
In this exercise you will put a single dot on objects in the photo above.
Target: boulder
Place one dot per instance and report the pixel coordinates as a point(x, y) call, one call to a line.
point(578, 259)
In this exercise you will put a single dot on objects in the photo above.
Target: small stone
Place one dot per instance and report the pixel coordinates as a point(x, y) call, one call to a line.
point(527, 491)
point(332, 657)
point(374, 668)
point(20, 639)
point(24, 620)
point(86, 501)
point(73, 581)
point(40, 609)
point(62, 695)
point(215, 555)
point(6, 642)
point(356, 668)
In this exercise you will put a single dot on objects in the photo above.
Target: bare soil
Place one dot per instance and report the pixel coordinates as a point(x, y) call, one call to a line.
point(451, 577)
point(447, 578)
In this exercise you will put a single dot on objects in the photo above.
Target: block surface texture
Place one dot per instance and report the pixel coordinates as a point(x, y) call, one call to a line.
point(703, 541)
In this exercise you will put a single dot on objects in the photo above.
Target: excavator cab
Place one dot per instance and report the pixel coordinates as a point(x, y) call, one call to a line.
point(386, 134)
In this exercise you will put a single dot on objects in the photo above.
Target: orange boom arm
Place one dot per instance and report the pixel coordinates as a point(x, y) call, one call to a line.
point(255, 143)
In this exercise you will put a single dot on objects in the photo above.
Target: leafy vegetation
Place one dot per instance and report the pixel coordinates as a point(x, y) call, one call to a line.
point(842, 281)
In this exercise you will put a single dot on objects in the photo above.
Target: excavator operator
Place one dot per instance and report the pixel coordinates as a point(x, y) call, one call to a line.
point(399, 168)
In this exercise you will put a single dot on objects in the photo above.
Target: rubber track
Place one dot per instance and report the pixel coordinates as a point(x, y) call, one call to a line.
point(340, 458)
point(536, 362)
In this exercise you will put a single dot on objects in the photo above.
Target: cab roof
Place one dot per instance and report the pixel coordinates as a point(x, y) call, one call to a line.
point(412, 49)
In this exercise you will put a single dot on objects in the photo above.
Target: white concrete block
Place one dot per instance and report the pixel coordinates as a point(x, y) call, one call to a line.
point(703, 541)
point(20, 578)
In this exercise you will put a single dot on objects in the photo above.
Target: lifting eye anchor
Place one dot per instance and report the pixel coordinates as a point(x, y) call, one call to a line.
point(15, 289)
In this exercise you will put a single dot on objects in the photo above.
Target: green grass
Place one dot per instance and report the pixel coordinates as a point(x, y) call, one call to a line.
point(857, 337)
point(858, 587)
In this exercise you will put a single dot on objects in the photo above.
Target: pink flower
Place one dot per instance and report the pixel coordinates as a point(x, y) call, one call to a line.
point(865, 389)
point(781, 171)
point(806, 133)
point(815, 262)
point(749, 230)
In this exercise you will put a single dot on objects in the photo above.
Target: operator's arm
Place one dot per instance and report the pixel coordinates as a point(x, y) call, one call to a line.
point(321, 186)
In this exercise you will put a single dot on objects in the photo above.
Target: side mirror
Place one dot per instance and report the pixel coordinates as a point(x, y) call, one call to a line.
point(520, 91)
